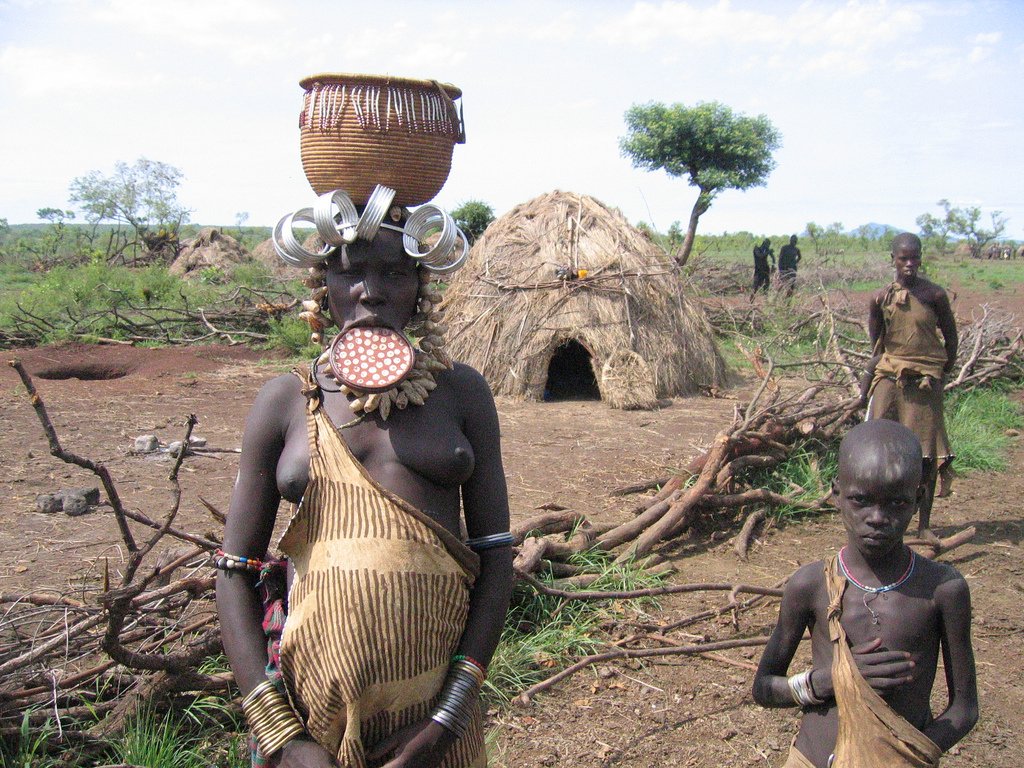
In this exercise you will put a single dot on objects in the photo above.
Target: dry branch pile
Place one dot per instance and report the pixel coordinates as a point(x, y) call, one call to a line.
point(241, 316)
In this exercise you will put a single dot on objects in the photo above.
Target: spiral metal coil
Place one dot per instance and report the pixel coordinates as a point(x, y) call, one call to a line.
point(289, 248)
point(336, 229)
point(374, 212)
point(441, 257)
point(452, 260)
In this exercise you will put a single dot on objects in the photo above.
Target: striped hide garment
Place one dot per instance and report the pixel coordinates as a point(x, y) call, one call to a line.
point(377, 607)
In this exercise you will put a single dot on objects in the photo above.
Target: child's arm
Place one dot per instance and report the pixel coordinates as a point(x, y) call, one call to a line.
point(867, 377)
point(953, 599)
point(771, 687)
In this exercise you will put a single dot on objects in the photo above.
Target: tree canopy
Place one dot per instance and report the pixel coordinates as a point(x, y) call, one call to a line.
point(473, 217)
point(142, 195)
point(960, 222)
point(713, 145)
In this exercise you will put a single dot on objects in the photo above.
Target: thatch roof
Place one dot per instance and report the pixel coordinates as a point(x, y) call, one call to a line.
point(265, 254)
point(209, 248)
point(520, 298)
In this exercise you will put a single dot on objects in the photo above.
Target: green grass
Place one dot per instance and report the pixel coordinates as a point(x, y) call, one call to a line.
point(93, 300)
point(977, 422)
point(981, 275)
point(28, 750)
point(805, 476)
point(544, 634)
point(157, 741)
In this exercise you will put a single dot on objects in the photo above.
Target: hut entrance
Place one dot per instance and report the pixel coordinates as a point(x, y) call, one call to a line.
point(571, 374)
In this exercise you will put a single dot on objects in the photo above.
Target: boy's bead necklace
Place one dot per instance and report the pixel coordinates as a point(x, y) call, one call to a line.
point(885, 587)
point(870, 593)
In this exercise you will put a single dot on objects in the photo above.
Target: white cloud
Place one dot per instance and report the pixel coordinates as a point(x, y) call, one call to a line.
point(560, 29)
point(811, 38)
point(987, 38)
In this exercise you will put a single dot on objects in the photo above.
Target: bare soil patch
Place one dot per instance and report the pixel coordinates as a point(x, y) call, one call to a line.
point(679, 712)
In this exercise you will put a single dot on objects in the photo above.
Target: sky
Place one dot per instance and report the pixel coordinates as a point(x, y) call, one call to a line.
point(884, 107)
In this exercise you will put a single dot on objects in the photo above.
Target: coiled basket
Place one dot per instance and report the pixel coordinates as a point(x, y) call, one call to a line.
point(358, 131)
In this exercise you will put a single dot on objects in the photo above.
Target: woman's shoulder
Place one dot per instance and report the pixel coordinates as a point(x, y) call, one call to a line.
point(466, 376)
point(278, 393)
point(469, 386)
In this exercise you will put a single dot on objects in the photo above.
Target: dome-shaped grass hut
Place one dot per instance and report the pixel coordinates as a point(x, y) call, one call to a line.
point(562, 298)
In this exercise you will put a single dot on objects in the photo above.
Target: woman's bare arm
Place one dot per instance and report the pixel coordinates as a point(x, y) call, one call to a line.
point(247, 531)
point(485, 503)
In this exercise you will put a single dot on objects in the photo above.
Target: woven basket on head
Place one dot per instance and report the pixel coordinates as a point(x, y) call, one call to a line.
point(362, 130)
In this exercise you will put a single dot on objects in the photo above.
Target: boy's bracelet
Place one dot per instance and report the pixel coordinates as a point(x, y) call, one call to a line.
point(803, 692)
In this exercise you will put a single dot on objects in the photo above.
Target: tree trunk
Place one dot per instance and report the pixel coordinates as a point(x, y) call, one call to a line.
point(699, 208)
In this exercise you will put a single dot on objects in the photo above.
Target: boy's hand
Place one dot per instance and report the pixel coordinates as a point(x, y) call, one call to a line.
point(883, 670)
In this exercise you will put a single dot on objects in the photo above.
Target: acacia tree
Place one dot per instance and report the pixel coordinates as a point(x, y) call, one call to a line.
point(142, 196)
point(717, 148)
point(962, 222)
point(825, 239)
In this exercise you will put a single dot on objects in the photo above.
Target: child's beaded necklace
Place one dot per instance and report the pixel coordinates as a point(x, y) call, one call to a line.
point(875, 591)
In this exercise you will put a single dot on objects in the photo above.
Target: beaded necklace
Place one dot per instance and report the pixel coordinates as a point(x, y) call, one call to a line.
point(885, 587)
point(873, 592)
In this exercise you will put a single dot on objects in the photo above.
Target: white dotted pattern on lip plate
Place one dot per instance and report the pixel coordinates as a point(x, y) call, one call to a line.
point(371, 359)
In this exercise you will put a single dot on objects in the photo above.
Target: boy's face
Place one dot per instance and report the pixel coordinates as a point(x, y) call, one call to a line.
point(877, 502)
point(906, 260)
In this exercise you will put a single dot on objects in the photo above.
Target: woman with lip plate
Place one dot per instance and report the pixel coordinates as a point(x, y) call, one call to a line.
point(391, 616)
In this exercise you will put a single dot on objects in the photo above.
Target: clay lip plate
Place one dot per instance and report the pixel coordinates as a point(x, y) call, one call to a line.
point(371, 359)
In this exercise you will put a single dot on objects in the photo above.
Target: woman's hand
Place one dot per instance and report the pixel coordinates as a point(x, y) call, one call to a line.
point(419, 745)
point(883, 670)
point(303, 753)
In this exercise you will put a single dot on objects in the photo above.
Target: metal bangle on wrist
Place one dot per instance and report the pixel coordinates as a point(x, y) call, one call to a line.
point(271, 719)
point(802, 691)
point(455, 708)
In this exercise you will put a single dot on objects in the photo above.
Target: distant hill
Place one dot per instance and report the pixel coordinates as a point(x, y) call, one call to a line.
point(874, 230)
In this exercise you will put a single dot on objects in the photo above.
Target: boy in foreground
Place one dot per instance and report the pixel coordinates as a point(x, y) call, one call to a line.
point(878, 616)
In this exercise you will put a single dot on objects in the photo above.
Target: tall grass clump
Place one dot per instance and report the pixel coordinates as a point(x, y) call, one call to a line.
point(805, 476)
point(977, 421)
point(292, 335)
point(544, 633)
point(29, 748)
point(98, 292)
point(157, 740)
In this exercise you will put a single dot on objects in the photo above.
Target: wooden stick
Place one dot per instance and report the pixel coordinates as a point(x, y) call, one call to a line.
point(636, 653)
point(70, 458)
point(668, 589)
point(742, 544)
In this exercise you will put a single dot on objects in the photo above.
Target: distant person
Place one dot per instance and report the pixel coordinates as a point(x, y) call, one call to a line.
point(914, 346)
point(879, 617)
point(763, 272)
point(789, 257)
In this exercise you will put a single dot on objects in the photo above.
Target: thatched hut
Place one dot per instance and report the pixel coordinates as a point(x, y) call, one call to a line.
point(563, 298)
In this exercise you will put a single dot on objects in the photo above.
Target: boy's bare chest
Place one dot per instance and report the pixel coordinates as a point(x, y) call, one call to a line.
point(903, 622)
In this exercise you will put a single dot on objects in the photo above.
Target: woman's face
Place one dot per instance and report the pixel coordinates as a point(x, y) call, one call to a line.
point(373, 284)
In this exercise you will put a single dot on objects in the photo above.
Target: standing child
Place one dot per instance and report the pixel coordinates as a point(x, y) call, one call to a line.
point(914, 340)
point(878, 615)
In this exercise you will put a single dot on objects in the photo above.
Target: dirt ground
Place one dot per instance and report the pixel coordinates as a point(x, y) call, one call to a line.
point(677, 712)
